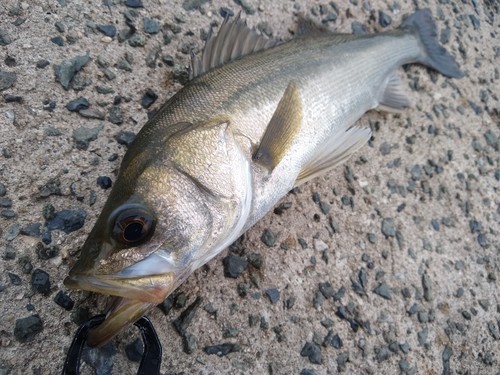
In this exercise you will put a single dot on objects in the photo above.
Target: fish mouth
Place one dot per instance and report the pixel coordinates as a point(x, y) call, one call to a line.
point(134, 297)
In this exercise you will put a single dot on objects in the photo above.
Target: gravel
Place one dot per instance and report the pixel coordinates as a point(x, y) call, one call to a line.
point(66, 71)
point(234, 266)
point(27, 328)
point(7, 80)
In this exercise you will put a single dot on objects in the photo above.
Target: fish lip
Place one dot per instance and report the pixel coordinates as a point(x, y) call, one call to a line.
point(151, 289)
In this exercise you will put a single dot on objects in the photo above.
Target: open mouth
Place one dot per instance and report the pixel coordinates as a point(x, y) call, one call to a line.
point(134, 297)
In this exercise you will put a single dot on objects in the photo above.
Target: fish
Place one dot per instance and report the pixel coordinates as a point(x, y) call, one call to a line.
point(257, 118)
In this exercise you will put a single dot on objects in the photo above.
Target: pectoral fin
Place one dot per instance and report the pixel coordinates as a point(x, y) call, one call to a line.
point(282, 129)
point(338, 148)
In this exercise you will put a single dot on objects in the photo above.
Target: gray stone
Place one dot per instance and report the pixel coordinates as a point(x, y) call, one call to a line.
point(383, 291)
point(7, 80)
point(151, 26)
point(83, 136)
point(27, 328)
point(388, 228)
point(66, 71)
point(5, 38)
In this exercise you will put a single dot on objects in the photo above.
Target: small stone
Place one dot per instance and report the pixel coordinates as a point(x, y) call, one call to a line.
point(104, 182)
point(326, 289)
point(10, 252)
point(3, 190)
point(273, 294)
point(180, 74)
point(63, 300)
point(115, 115)
point(7, 80)
point(225, 12)
point(8, 214)
point(108, 30)
point(135, 350)
point(383, 291)
point(12, 98)
point(40, 282)
point(42, 64)
point(388, 228)
point(221, 349)
point(66, 71)
point(319, 245)
point(83, 136)
point(12, 231)
point(125, 137)
point(193, 4)
point(384, 19)
point(151, 26)
point(5, 38)
point(77, 104)
point(100, 358)
point(422, 336)
point(189, 343)
point(427, 286)
point(27, 328)
point(312, 351)
point(358, 28)
point(134, 3)
point(46, 253)
point(148, 98)
point(92, 113)
point(268, 238)
point(167, 304)
point(58, 40)
point(137, 40)
point(183, 321)
point(5, 202)
point(32, 230)
point(246, 5)
point(333, 340)
point(67, 220)
point(234, 266)
point(382, 354)
point(14, 279)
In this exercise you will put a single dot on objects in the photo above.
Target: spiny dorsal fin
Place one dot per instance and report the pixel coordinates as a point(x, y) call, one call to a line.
point(234, 40)
point(282, 129)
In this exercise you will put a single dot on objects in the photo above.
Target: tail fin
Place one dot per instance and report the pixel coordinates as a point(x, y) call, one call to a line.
point(422, 24)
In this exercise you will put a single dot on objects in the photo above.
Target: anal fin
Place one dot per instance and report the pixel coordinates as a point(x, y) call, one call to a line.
point(394, 98)
point(282, 129)
point(337, 149)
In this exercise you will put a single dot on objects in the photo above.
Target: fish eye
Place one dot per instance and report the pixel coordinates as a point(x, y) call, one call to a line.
point(133, 225)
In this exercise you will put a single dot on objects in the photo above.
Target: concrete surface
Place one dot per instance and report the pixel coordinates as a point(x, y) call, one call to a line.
point(432, 170)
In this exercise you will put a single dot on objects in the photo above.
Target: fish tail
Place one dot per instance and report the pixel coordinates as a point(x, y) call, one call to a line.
point(435, 56)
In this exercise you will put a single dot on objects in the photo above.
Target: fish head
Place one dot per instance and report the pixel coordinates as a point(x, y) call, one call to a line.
point(143, 243)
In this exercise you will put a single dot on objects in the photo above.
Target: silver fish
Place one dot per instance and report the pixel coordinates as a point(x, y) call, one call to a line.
point(256, 119)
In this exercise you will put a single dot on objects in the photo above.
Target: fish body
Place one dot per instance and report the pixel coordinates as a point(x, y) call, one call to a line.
point(223, 150)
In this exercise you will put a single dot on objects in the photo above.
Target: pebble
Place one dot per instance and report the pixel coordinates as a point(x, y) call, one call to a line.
point(12, 232)
point(65, 72)
point(3, 190)
point(134, 350)
point(46, 253)
point(180, 74)
point(58, 40)
point(108, 30)
point(312, 351)
point(358, 28)
point(222, 349)
point(40, 282)
point(125, 137)
point(167, 304)
point(151, 26)
point(10, 252)
point(341, 360)
point(83, 136)
point(306, 371)
point(383, 291)
point(27, 328)
point(92, 113)
point(5, 202)
point(42, 64)
point(268, 238)
point(77, 104)
point(427, 286)
point(246, 5)
point(32, 229)
point(7, 80)
point(8, 98)
point(382, 354)
point(384, 19)
point(273, 294)
point(115, 115)
point(388, 228)
point(14, 279)
point(234, 266)
point(333, 340)
point(134, 3)
point(326, 289)
point(137, 40)
point(148, 98)
point(63, 300)
point(5, 38)
point(104, 182)
point(183, 321)
point(319, 245)
point(67, 220)
point(193, 4)
point(189, 343)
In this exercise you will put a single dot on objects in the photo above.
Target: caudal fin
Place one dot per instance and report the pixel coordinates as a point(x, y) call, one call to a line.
point(435, 56)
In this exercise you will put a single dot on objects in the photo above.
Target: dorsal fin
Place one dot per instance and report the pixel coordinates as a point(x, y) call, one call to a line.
point(234, 40)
